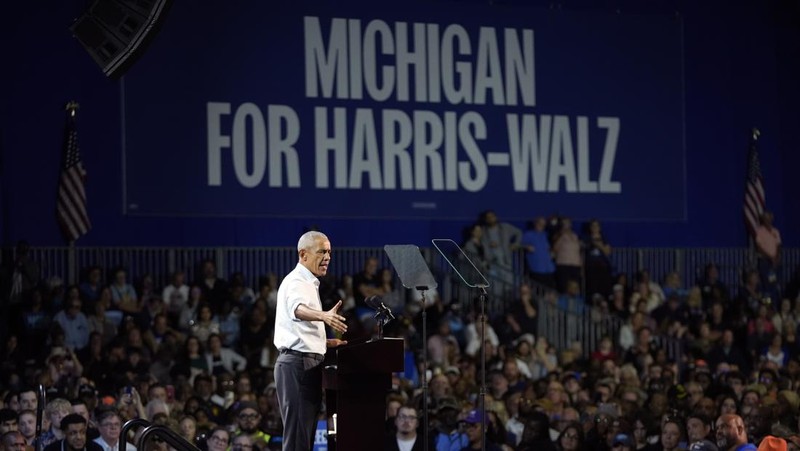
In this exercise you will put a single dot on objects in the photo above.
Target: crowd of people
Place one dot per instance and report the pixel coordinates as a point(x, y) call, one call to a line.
point(198, 355)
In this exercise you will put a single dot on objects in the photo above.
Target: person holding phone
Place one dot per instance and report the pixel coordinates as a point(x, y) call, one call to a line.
point(300, 337)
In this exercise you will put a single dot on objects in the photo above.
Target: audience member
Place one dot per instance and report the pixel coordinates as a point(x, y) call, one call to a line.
point(13, 441)
point(214, 288)
point(538, 255)
point(500, 240)
point(405, 438)
point(731, 434)
point(695, 355)
point(597, 263)
point(110, 425)
point(567, 255)
point(176, 294)
point(74, 432)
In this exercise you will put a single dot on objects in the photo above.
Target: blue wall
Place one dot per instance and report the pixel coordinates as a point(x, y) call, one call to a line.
point(740, 70)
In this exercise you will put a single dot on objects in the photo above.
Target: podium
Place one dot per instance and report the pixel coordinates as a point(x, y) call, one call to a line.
point(356, 379)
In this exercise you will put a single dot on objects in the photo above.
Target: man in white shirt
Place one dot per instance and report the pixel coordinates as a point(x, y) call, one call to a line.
point(176, 294)
point(301, 341)
point(110, 425)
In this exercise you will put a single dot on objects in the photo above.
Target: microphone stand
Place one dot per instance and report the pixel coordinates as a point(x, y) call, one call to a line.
point(40, 405)
point(482, 390)
point(425, 429)
point(383, 317)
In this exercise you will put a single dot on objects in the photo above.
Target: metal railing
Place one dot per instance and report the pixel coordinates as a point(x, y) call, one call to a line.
point(561, 328)
point(162, 432)
point(172, 438)
point(159, 262)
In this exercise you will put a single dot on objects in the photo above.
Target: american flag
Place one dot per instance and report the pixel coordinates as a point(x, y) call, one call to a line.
point(754, 200)
point(71, 206)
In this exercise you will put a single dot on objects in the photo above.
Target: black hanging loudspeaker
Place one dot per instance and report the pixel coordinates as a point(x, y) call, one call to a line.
point(116, 32)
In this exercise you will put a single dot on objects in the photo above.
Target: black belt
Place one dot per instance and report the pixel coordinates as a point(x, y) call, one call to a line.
point(301, 354)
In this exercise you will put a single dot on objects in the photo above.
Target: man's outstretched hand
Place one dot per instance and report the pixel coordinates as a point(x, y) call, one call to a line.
point(334, 342)
point(334, 319)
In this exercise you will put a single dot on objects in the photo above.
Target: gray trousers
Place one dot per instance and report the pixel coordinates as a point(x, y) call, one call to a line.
point(300, 398)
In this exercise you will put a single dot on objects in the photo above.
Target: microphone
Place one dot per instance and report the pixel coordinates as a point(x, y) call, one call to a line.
point(372, 302)
point(375, 303)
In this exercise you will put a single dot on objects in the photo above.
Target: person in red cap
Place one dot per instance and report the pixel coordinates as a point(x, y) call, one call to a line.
point(772, 443)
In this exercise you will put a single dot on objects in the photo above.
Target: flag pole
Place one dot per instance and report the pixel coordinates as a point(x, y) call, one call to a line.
point(72, 108)
point(755, 134)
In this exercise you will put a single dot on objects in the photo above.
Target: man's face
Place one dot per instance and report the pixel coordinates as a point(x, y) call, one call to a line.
point(27, 425)
point(706, 406)
point(726, 432)
point(110, 429)
point(406, 421)
point(670, 435)
point(159, 393)
point(473, 432)
point(248, 419)
point(14, 442)
point(8, 426)
point(317, 257)
point(696, 430)
point(27, 401)
point(242, 443)
point(218, 441)
point(76, 436)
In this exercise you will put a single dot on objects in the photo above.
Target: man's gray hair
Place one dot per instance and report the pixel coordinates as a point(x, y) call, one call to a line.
point(309, 238)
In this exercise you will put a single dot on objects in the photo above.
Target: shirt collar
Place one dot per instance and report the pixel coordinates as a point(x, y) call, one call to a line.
point(308, 275)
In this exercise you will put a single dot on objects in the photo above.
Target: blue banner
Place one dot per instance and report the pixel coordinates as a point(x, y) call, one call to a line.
point(428, 110)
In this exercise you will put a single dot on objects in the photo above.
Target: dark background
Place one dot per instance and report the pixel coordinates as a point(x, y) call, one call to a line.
point(742, 68)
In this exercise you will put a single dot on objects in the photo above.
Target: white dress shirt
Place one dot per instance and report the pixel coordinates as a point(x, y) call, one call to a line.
point(300, 286)
point(107, 447)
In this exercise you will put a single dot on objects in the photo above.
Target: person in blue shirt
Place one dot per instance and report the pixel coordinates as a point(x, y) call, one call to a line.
point(538, 259)
point(732, 435)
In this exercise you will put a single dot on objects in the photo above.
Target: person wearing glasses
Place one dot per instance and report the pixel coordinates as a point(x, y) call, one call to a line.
point(300, 338)
point(243, 442)
point(110, 426)
point(406, 438)
point(248, 419)
point(571, 438)
point(218, 439)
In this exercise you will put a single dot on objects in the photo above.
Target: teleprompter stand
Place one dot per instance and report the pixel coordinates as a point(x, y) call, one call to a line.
point(473, 278)
point(414, 274)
